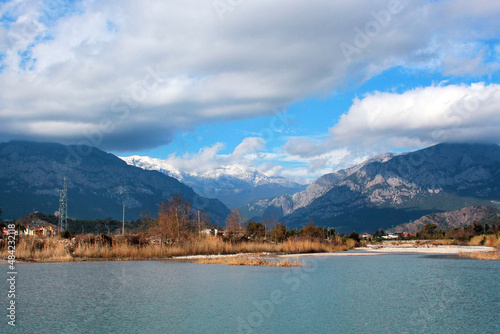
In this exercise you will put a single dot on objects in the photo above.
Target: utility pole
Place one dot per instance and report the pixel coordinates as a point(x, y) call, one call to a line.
point(63, 207)
point(199, 224)
point(123, 220)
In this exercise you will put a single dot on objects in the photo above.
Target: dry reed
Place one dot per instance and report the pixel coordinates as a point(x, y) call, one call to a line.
point(482, 256)
point(249, 261)
point(55, 249)
point(490, 240)
point(477, 240)
point(36, 249)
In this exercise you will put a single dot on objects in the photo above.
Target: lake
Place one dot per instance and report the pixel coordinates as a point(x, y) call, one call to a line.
point(354, 294)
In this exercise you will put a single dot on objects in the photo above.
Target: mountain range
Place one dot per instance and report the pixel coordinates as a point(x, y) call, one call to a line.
point(447, 220)
point(99, 183)
point(382, 192)
point(391, 189)
point(234, 185)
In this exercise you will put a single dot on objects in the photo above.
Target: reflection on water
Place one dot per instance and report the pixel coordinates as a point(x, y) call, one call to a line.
point(355, 294)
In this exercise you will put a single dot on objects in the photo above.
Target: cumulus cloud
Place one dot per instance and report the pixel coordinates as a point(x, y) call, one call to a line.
point(128, 75)
point(459, 113)
point(209, 158)
point(382, 121)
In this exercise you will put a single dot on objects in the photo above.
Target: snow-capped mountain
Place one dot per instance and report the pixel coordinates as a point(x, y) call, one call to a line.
point(148, 163)
point(234, 185)
point(99, 183)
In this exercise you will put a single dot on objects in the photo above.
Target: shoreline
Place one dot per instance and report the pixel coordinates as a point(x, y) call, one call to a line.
point(370, 250)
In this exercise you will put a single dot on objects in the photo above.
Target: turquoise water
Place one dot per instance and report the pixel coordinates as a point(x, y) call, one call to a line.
point(355, 294)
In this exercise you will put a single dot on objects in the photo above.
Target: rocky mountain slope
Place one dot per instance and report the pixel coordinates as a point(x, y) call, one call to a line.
point(284, 205)
point(234, 185)
point(393, 189)
point(446, 220)
point(31, 175)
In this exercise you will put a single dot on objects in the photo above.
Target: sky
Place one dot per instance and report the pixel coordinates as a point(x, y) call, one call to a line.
point(295, 89)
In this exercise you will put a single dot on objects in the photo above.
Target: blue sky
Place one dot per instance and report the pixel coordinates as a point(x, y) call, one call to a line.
point(297, 91)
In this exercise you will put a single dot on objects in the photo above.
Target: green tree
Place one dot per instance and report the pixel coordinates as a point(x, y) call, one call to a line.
point(292, 233)
point(279, 233)
point(256, 230)
point(429, 229)
point(354, 236)
point(478, 228)
point(380, 232)
point(311, 231)
point(458, 233)
point(330, 233)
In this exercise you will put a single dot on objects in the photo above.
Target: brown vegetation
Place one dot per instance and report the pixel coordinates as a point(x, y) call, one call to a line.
point(131, 247)
point(233, 223)
point(482, 256)
point(176, 221)
point(490, 240)
point(250, 261)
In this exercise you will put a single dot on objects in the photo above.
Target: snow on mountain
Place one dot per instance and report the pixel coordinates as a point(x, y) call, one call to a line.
point(148, 163)
point(235, 185)
point(99, 184)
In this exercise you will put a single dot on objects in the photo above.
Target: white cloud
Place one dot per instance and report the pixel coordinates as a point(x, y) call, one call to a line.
point(209, 158)
point(151, 68)
point(250, 145)
point(381, 122)
point(423, 116)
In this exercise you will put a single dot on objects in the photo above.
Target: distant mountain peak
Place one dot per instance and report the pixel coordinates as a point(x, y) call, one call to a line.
point(394, 188)
point(99, 183)
point(235, 185)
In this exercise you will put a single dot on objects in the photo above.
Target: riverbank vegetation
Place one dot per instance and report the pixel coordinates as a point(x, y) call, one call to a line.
point(140, 246)
point(477, 234)
point(178, 230)
point(250, 261)
point(482, 256)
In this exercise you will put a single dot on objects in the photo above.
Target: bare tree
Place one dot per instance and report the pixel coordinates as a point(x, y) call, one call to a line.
point(176, 219)
point(233, 222)
point(269, 224)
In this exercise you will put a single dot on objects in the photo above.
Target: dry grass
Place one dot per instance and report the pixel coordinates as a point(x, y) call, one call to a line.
point(476, 240)
point(55, 249)
point(482, 256)
point(490, 240)
point(250, 261)
point(445, 242)
point(36, 249)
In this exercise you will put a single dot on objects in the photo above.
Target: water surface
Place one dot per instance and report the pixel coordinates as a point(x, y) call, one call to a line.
point(355, 294)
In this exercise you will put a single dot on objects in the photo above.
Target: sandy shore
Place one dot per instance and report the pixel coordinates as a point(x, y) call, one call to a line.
point(395, 249)
point(444, 249)
point(371, 250)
